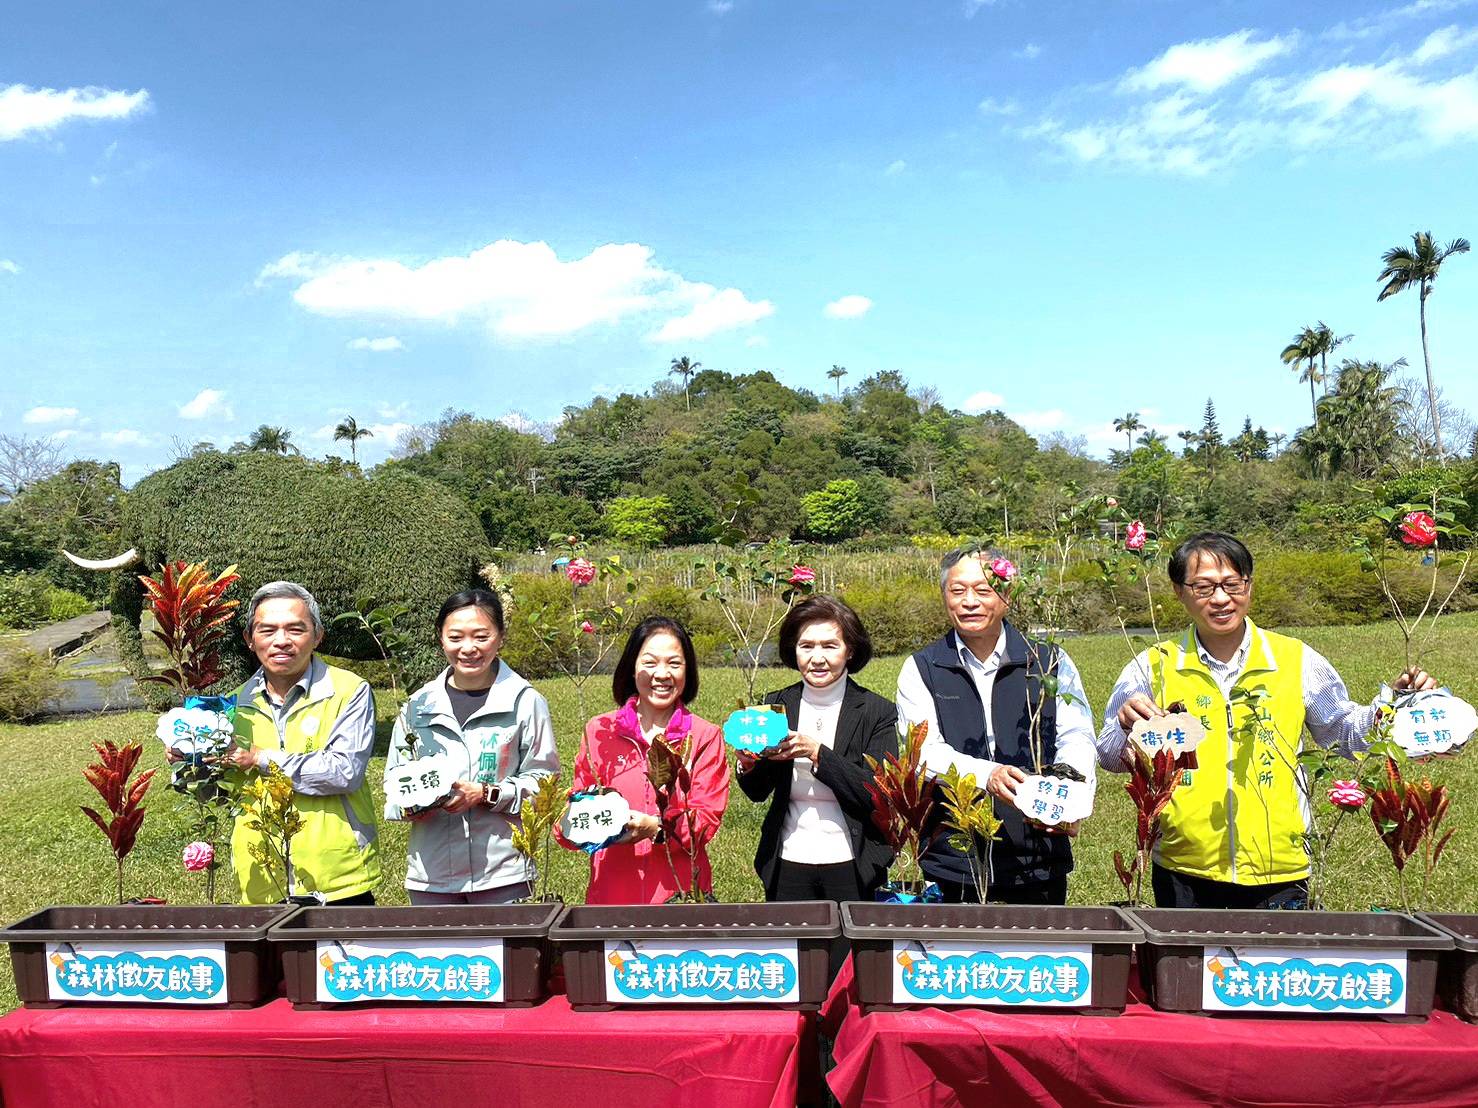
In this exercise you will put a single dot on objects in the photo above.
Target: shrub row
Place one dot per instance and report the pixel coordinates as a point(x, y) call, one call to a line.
point(31, 600)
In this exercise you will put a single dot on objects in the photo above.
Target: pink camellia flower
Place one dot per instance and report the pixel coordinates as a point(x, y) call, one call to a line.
point(198, 856)
point(1112, 503)
point(1348, 795)
point(802, 575)
point(1419, 529)
point(1004, 568)
point(580, 571)
point(1135, 536)
point(587, 628)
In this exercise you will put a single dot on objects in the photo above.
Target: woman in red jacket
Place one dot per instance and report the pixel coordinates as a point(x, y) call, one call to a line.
point(663, 851)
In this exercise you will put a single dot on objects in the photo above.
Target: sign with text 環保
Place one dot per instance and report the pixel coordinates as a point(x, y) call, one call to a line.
point(702, 972)
point(462, 971)
point(1035, 975)
point(137, 973)
point(1323, 981)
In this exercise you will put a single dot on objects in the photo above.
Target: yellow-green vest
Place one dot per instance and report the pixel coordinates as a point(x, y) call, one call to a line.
point(328, 855)
point(1240, 815)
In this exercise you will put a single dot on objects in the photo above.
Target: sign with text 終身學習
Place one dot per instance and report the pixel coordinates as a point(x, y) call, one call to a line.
point(706, 972)
point(463, 971)
point(1054, 800)
point(1324, 981)
point(1034, 975)
point(137, 973)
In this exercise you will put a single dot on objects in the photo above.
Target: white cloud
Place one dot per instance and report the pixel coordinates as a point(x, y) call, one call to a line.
point(64, 434)
point(381, 440)
point(1209, 64)
point(847, 307)
point(125, 437)
point(1383, 22)
point(1443, 42)
point(991, 106)
point(25, 110)
point(895, 168)
point(394, 412)
point(518, 421)
point(8, 266)
point(973, 6)
point(984, 402)
point(1030, 52)
point(208, 404)
point(519, 291)
point(377, 346)
point(1054, 419)
point(44, 414)
point(755, 341)
point(720, 7)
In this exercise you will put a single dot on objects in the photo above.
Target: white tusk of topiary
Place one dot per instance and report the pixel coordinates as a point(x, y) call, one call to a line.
point(122, 561)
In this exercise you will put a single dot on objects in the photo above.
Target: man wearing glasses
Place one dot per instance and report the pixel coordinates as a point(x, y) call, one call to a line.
point(1233, 835)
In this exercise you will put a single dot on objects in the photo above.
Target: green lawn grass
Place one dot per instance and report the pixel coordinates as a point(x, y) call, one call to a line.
point(51, 854)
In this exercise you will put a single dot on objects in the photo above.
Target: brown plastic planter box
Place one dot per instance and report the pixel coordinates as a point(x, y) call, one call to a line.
point(1457, 970)
point(992, 943)
point(1173, 966)
point(238, 934)
point(410, 938)
point(654, 939)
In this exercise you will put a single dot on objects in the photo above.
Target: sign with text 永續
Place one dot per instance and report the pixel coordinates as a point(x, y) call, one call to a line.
point(460, 971)
point(702, 972)
point(1035, 975)
point(138, 973)
point(1326, 981)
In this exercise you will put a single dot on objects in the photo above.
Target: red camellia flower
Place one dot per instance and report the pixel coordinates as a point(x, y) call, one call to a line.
point(580, 571)
point(1135, 536)
point(587, 628)
point(1348, 795)
point(1112, 503)
point(802, 575)
point(1419, 529)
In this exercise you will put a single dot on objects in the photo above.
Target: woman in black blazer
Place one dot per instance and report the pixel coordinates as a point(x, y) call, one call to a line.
point(818, 841)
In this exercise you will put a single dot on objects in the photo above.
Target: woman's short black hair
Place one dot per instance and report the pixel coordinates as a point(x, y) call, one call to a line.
point(473, 598)
point(1219, 545)
point(826, 609)
point(623, 682)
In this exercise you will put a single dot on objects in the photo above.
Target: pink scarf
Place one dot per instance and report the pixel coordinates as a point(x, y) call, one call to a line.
point(628, 724)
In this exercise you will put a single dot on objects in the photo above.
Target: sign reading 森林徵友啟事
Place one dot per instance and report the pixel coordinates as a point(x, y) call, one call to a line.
point(137, 973)
point(1033, 975)
point(1324, 981)
point(436, 971)
point(701, 972)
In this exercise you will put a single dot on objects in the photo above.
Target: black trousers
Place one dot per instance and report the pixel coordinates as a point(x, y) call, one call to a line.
point(1179, 890)
point(363, 900)
point(1051, 891)
point(838, 882)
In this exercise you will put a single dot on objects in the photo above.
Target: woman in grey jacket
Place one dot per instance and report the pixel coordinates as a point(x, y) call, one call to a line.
point(494, 728)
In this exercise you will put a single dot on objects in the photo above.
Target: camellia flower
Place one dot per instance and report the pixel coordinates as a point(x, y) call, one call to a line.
point(1419, 529)
point(1348, 795)
point(1112, 502)
point(199, 856)
point(1004, 568)
point(587, 628)
point(802, 575)
point(1135, 536)
point(580, 571)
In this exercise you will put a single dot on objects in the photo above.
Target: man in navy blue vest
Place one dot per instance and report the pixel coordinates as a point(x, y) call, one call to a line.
point(978, 688)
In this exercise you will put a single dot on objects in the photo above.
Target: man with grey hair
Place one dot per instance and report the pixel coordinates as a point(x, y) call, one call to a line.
point(980, 688)
point(316, 724)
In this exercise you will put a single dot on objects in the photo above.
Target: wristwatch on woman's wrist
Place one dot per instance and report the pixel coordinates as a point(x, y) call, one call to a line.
point(490, 795)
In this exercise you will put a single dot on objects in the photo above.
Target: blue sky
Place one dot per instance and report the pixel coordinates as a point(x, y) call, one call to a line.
point(213, 218)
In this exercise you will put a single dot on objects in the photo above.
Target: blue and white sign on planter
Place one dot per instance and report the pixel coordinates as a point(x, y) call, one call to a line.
point(756, 730)
point(138, 973)
point(1035, 975)
point(462, 971)
point(715, 972)
point(1324, 981)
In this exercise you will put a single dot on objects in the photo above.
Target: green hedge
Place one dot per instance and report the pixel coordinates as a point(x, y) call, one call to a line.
point(28, 684)
point(393, 538)
point(30, 600)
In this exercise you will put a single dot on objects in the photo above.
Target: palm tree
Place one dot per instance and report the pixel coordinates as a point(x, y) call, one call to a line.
point(685, 367)
point(272, 440)
point(1305, 347)
point(1418, 266)
point(836, 373)
point(1128, 425)
point(1152, 439)
point(1325, 341)
point(351, 432)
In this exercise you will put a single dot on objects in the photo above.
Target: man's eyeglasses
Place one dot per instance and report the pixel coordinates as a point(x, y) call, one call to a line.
point(1203, 591)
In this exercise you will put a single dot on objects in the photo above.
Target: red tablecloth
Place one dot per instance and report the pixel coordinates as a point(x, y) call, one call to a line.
point(274, 1057)
point(978, 1056)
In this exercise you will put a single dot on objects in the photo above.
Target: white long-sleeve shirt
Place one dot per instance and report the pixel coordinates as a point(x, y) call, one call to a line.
point(1075, 736)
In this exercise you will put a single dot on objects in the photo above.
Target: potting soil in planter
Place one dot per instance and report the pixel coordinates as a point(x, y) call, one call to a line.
point(771, 954)
point(206, 956)
point(460, 954)
point(996, 955)
point(1308, 963)
point(1457, 969)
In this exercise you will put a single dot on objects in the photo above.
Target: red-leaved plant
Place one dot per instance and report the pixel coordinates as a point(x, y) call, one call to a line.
point(1407, 815)
point(668, 771)
point(1151, 786)
point(901, 799)
point(191, 619)
point(123, 799)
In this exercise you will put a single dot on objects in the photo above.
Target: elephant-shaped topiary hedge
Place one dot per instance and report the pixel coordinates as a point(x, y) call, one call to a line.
point(392, 538)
